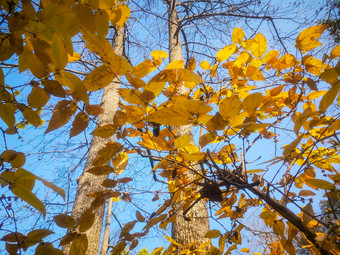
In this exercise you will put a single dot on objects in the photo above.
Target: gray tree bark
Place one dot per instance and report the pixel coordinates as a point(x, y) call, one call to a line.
point(87, 182)
point(185, 232)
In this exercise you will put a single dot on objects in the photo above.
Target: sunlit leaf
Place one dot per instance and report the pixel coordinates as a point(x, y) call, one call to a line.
point(99, 78)
point(335, 52)
point(79, 124)
point(38, 97)
point(213, 234)
point(119, 15)
point(120, 162)
point(255, 74)
point(226, 52)
point(32, 117)
point(238, 35)
point(7, 111)
point(319, 183)
point(307, 39)
point(230, 107)
point(251, 102)
point(105, 131)
point(205, 65)
point(107, 153)
point(62, 113)
point(329, 97)
point(143, 68)
point(79, 245)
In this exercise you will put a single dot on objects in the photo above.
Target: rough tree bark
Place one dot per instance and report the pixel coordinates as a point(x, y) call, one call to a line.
point(185, 232)
point(87, 182)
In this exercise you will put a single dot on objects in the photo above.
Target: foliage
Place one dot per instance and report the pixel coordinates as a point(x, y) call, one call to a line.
point(234, 119)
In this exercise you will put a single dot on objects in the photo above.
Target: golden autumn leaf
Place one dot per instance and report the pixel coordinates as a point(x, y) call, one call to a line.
point(307, 39)
point(59, 52)
point(74, 57)
point(85, 17)
point(38, 97)
point(226, 52)
point(7, 113)
point(171, 116)
point(135, 81)
point(252, 101)
point(79, 245)
point(102, 22)
point(144, 68)
point(257, 46)
point(306, 193)
point(335, 52)
point(120, 162)
point(54, 88)
point(182, 141)
point(319, 184)
point(79, 124)
point(176, 64)
point(107, 153)
point(212, 234)
point(270, 57)
point(86, 220)
point(62, 113)
point(119, 15)
point(74, 84)
point(307, 213)
point(230, 107)
point(329, 97)
point(32, 117)
point(205, 65)
point(254, 73)
point(105, 131)
point(238, 35)
point(101, 170)
point(64, 220)
point(99, 78)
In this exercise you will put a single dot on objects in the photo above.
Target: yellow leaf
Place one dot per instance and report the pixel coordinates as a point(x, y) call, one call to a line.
point(176, 64)
point(106, 4)
point(182, 141)
point(60, 56)
point(74, 57)
point(158, 56)
point(242, 59)
point(99, 45)
point(32, 117)
point(101, 170)
point(54, 88)
point(144, 68)
point(306, 193)
point(318, 183)
point(316, 94)
point(79, 245)
point(86, 220)
point(313, 65)
point(74, 84)
point(255, 171)
point(207, 138)
point(27, 60)
point(99, 78)
point(85, 17)
point(171, 116)
point(335, 52)
point(102, 22)
point(135, 81)
point(62, 113)
point(307, 213)
point(247, 250)
point(64, 220)
point(107, 153)
point(230, 107)
point(119, 15)
point(255, 74)
point(205, 65)
point(105, 131)
point(226, 52)
point(20, 189)
point(238, 35)
point(6, 50)
point(7, 113)
point(279, 228)
point(307, 39)
point(38, 97)
point(79, 124)
point(120, 162)
point(132, 96)
point(252, 101)
point(37, 235)
point(329, 97)
point(270, 57)
point(213, 234)
point(257, 46)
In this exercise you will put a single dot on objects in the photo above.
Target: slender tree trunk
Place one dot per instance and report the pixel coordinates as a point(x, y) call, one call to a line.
point(106, 236)
point(185, 232)
point(87, 182)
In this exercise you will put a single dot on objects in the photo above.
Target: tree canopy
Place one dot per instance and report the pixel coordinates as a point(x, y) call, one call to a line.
point(242, 100)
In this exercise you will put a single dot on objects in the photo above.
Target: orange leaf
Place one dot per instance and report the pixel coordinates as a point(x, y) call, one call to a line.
point(307, 39)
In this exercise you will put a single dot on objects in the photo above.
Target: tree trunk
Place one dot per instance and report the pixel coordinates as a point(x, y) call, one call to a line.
point(106, 236)
point(185, 232)
point(88, 183)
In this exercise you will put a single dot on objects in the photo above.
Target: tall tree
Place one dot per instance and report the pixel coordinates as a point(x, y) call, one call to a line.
point(87, 182)
point(185, 231)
